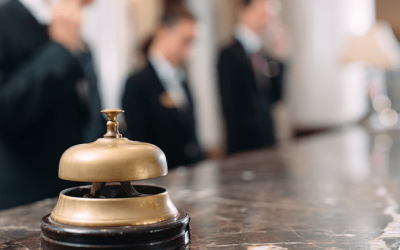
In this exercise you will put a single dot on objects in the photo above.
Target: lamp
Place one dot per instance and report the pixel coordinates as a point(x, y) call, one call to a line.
point(378, 50)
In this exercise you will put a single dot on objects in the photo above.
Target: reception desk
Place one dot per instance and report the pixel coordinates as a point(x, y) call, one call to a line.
point(337, 190)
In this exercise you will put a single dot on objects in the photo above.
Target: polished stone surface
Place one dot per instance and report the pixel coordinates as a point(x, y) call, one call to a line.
point(338, 190)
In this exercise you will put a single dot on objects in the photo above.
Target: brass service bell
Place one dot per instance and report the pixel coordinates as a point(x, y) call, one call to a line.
point(111, 213)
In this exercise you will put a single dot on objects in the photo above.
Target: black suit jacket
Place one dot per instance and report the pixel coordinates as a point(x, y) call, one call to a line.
point(246, 103)
point(148, 120)
point(41, 114)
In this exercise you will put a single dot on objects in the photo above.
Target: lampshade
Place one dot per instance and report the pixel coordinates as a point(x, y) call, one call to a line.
point(378, 48)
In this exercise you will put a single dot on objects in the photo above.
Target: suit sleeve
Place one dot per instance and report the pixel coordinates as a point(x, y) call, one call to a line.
point(133, 103)
point(30, 89)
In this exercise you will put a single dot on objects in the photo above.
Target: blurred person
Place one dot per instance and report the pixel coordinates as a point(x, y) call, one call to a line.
point(157, 101)
point(250, 82)
point(48, 96)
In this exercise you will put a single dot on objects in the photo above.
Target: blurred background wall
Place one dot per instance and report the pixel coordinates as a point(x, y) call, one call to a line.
point(321, 91)
point(388, 10)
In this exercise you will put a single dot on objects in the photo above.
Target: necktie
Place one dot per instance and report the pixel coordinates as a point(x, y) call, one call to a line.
point(260, 65)
point(261, 71)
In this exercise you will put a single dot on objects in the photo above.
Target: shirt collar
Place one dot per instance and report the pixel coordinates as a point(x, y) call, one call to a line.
point(250, 41)
point(164, 69)
point(39, 9)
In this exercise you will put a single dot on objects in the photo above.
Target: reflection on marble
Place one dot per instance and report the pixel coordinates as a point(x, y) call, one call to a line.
point(338, 190)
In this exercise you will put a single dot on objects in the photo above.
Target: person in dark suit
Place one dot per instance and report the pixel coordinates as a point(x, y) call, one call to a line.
point(157, 101)
point(249, 82)
point(48, 95)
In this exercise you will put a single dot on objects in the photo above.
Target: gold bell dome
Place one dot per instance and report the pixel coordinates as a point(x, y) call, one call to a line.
point(112, 158)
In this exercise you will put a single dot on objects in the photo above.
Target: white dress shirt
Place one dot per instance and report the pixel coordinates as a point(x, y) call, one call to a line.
point(171, 79)
point(250, 40)
point(40, 10)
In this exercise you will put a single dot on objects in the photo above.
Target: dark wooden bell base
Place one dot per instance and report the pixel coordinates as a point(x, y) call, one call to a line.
point(171, 234)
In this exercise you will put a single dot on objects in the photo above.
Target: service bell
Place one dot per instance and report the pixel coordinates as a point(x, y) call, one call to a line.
point(111, 213)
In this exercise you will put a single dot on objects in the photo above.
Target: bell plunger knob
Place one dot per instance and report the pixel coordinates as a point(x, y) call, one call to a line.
point(112, 124)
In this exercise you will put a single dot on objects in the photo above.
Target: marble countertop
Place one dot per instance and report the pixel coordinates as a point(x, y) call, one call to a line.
point(337, 190)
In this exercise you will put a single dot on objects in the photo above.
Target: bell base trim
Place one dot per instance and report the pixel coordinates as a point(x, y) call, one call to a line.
point(170, 234)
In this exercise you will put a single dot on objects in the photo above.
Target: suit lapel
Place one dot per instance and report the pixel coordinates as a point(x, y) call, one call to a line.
point(29, 34)
point(22, 15)
point(241, 53)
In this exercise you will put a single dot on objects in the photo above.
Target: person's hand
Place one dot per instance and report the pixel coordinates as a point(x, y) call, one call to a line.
point(278, 41)
point(66, 23)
